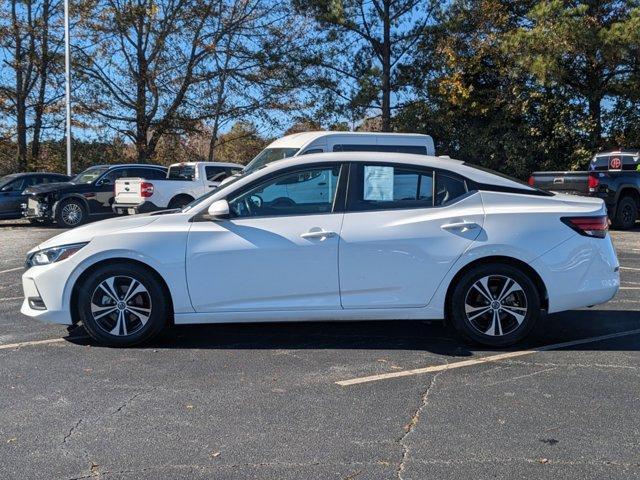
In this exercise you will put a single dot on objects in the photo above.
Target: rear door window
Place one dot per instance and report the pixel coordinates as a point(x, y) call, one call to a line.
point(383, 187)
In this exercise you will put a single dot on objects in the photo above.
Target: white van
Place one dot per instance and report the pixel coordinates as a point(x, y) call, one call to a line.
point(318, 142)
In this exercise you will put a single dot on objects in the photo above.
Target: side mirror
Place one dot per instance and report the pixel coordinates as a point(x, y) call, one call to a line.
point(218, 209)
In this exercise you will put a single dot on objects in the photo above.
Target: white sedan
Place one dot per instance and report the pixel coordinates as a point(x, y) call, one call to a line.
point(337, 236)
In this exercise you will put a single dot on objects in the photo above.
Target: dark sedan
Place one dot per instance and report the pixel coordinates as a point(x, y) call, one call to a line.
point(88, 194)
point(12, 187)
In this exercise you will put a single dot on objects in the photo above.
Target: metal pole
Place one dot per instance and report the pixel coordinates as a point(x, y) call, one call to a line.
point(67, 81)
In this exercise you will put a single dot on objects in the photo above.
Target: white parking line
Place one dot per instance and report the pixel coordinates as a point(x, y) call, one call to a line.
point(630, 268)
point(7, 346)
point(12, 270)
point(629, 288)
point(481, 360)
point(11, 298)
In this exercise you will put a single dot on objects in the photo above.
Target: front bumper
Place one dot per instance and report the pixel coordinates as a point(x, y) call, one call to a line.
point(42, 307)
point(33, 208)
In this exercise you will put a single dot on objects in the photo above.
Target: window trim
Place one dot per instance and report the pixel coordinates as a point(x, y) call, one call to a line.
point(339, 201)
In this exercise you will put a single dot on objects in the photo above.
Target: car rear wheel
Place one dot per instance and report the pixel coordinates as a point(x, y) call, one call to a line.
point(122, 305)
point(71, 213)
point(626, 213)
point(495, 305)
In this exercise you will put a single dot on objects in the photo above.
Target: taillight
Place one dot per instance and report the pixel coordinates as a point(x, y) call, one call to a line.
point(588, 226)
point(593, 182)
point(531, 181)
point(146, 189)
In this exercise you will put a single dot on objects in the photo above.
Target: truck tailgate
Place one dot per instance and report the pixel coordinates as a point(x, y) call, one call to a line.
point(572, 183)
point(127, 191)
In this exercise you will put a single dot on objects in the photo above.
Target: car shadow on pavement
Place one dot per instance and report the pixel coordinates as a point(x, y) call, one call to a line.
point(426, 336)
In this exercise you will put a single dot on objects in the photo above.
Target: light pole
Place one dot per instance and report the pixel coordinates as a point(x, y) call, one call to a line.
point(67, 81)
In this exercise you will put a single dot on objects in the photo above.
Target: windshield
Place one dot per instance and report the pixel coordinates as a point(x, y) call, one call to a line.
point(89, 175)
point(269, 155)
point(229, 181)
point(6, 179)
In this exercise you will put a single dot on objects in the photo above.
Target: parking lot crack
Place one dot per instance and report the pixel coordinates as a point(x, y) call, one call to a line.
point(71, 430)
point(127, 402)
point(411, 425)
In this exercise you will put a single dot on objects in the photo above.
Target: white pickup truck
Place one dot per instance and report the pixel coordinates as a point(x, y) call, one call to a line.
point(184, 183)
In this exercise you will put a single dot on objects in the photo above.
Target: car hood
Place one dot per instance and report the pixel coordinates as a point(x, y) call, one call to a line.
point(49, 187)
point(87, 232)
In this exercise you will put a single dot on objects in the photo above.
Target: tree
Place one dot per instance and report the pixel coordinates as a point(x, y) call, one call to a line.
point(251, 70)
point(30, 43)
point(362, 48)
point(240, 144)
point(479, 105)
point(139, 59)
point(588, 46)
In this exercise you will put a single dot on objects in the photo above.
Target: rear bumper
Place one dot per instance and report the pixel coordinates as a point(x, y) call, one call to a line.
point(579, 272)
point(134, 208)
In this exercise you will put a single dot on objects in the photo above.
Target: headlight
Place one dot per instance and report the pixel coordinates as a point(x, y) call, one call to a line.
point(53, 254)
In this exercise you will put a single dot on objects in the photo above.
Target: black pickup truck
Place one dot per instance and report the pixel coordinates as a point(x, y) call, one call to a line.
point(612, 176)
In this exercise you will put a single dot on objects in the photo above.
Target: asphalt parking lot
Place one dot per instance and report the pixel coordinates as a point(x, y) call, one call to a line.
point(263, 401)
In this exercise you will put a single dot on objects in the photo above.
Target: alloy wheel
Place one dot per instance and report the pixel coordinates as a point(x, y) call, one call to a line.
point(495, 305)
point(72, 213)
point(121, 305)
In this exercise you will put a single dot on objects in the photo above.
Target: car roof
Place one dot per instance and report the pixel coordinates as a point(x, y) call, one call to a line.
point(619, 152)
point(27, 174)
point(209, 164)
point(298, 140)
point(118, 165)
point(460, 167)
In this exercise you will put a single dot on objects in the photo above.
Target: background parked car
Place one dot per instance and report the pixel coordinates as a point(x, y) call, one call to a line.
point(306, 143)
point(184, 183)
point(89, 193)
point(612, 176)
point(12, 187)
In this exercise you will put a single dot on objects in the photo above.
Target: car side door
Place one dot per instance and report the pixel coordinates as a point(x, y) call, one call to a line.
point(278, 250)
point(404, 228)
point(11, 197)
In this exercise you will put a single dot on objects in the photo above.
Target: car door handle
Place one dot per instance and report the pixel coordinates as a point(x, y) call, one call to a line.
point(321, 234)
point(462, 226)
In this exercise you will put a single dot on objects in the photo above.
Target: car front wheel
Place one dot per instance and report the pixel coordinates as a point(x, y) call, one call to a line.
point(71, 213)
point(495, 305)
point(122, 305)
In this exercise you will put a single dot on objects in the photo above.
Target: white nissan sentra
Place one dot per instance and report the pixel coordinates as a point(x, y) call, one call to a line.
point(334, 236)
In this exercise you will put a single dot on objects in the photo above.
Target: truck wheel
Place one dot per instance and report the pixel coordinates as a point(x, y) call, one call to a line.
point(626, 214)
point(71, 213)
point(179, 201)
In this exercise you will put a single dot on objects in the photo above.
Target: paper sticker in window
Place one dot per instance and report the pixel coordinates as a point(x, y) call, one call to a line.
point(378, 183)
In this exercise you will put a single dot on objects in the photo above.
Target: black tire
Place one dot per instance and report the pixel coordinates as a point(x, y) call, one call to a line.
point(482, 328)
point(95, 297)
point(71, 213)
point(626, 213)
point(179, 201)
